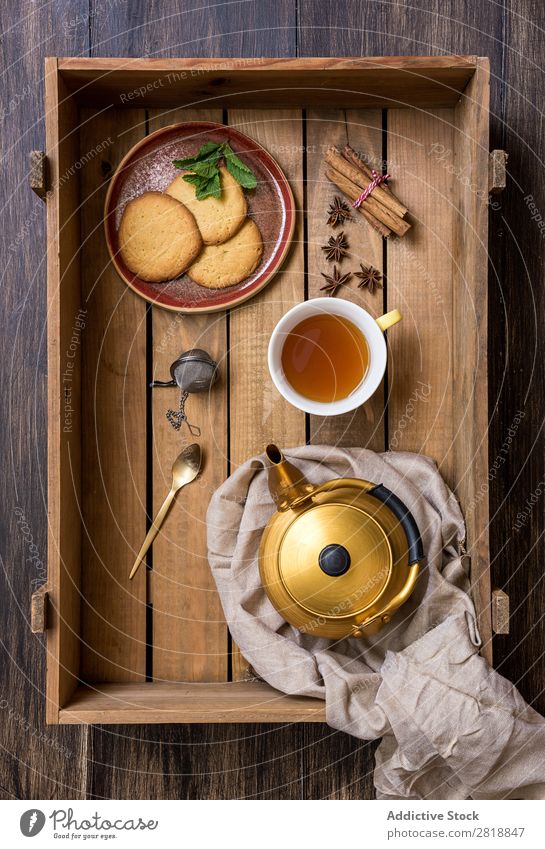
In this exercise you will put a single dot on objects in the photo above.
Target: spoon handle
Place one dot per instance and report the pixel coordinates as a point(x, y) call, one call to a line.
point(153, 531)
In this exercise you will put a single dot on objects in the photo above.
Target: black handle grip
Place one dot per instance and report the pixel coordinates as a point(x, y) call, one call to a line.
point(406, 518)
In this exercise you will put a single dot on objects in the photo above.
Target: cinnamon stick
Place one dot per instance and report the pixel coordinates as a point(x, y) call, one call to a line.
point(347, 188)
point(393, 222)
point(352, 156)
point(356, 177)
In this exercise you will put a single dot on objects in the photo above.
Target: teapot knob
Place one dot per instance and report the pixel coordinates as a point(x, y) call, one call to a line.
point(334, 560)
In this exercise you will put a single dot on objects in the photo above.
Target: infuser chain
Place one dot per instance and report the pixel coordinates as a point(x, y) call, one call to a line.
point(176, 417)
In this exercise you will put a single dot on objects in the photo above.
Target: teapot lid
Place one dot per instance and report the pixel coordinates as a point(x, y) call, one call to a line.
point(335, 558)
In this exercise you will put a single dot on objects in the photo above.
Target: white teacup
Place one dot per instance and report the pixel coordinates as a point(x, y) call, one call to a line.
point(373, 331)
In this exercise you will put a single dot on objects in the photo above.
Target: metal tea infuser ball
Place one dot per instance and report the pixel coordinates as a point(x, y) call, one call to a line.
point(194, 371)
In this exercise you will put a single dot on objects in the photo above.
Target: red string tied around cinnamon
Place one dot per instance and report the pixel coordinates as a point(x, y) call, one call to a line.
point(376, 181)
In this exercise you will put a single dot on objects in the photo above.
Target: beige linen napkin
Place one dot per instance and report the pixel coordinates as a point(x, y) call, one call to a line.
point(451, 727)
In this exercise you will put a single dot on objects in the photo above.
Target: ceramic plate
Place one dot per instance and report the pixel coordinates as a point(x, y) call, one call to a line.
point(148, 167)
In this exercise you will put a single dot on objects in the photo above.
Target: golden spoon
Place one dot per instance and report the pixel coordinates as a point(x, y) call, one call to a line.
point(185, 469)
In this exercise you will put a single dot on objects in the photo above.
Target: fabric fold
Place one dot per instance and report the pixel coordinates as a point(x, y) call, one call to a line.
point(451, 727)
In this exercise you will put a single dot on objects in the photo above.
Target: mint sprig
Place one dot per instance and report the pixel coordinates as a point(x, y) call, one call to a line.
point(205, 173)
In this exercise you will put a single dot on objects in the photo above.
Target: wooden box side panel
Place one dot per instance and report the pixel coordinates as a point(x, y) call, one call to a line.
point(254, 702)
point(359, 82)
point(470, 334)
point(65, 325)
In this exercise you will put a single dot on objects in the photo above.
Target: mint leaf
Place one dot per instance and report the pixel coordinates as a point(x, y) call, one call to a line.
point(208, 188)
point(236, 167)
point(244, 176)
point(209, 147)
point(205, 174)
point(231, 155)
point(210, 152)
point(204, 169)
point(194, 179)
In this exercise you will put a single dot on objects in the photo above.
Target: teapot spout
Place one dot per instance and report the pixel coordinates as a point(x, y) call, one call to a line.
point(287, 484)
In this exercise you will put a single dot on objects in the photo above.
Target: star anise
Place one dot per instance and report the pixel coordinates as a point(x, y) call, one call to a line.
point(370, 277)
point(336, 248)
point(334, 281)
point(338, 212)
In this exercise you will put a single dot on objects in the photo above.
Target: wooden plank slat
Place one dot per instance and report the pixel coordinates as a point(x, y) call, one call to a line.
point(258, 413)
point(420, 281)
point(363, 131)
point(189, 630)
point(113, 342)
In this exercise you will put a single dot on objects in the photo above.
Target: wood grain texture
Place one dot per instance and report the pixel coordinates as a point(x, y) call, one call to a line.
point(181, 762)
point(363, 130)
point(336, 765)
point(190, 761)
point(517, 298)
point(436, 27)
point(114, 424)
point(259, 414)
point(189, 633)
point(415, 137)
point(420, 284)
point(161, 702)
point(36, 761)
point(167, 28)
point(470, 312)
point(374, 82)
point(64, 396)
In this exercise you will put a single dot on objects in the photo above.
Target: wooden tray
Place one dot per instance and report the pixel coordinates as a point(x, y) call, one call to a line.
point(158, 649)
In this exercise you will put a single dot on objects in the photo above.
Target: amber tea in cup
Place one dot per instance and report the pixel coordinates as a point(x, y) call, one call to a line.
point(325, 357)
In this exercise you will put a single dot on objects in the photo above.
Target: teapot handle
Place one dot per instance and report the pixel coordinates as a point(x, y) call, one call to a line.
point(406, 519)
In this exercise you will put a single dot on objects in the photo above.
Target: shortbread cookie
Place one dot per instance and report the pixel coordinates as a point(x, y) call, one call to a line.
point(224, 265)
point(158, 237)
point(217, 218)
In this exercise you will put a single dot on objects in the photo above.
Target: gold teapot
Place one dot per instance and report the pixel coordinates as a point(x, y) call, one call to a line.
point(337, 559)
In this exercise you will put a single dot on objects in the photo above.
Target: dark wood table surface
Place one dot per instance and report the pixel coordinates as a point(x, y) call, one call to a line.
point(298, 761)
